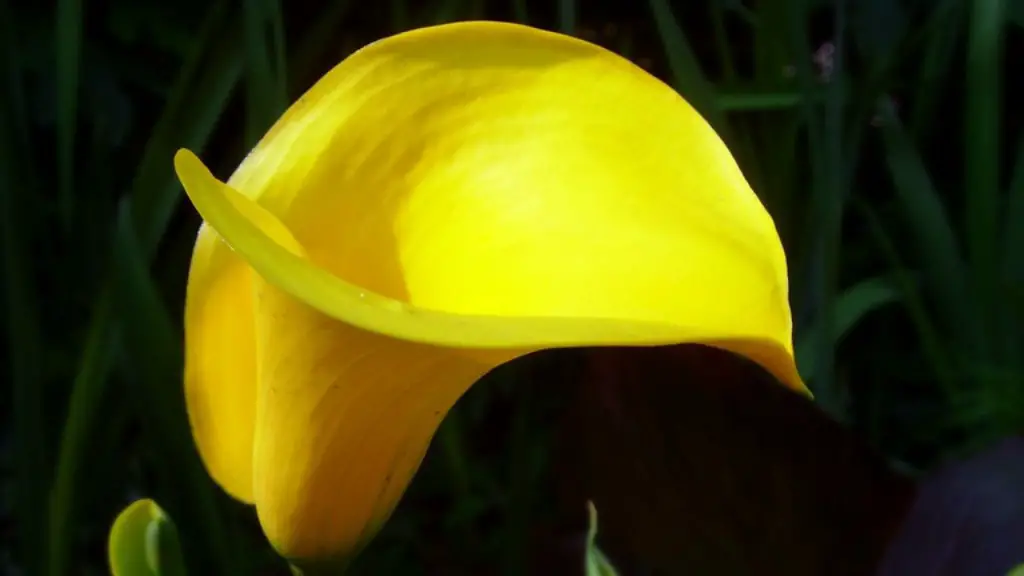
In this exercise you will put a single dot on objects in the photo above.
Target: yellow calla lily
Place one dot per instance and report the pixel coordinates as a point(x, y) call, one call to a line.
point(443, 201)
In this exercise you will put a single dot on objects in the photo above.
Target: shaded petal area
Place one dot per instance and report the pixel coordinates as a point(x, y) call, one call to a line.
point(220, 362)
point(344, 419)
point(699, 463)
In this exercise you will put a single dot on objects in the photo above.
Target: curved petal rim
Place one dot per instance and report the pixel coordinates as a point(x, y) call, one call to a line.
point(273, 252)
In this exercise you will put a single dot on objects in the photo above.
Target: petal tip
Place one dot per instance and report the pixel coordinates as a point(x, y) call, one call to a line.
point(186, 163)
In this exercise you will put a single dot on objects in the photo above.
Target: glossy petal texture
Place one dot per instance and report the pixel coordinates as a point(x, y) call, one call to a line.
point(440, 202)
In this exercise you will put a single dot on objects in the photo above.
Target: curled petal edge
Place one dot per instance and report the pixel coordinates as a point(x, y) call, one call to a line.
point(273, 252)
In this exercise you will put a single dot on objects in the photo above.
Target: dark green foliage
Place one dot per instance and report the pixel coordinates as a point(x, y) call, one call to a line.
point(885, 136)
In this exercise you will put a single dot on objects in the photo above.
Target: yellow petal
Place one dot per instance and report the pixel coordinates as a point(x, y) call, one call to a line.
point(446, 199)
point(488, 168)
point(344, 419)
point(220, 362)
point(273, 251)
point(494, 169)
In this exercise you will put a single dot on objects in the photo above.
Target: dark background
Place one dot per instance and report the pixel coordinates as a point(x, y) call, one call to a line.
point(883, 135)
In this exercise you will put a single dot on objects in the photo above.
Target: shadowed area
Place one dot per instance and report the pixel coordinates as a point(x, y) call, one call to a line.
point(700, 463)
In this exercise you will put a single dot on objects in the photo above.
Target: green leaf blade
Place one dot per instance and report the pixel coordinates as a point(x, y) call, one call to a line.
point(68, 51)
point(944, 267)
point(595, 562)
point(849, 308)
point(144, 542)
point(687, 75)
point(198, 99)
point(982, 131)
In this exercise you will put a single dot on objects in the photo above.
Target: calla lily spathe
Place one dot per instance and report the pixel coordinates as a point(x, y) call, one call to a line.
point(443, 201)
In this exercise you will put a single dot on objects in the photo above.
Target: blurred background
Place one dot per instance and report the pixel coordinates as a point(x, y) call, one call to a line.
point(884, 136)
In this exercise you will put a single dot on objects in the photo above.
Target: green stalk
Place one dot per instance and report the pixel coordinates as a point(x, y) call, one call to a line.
point(199, 97)
point(447, 11)
point(936, 241)
point(567, 16)
point(152, 349)
point(400, 20)
point(982, 150)
point(521, 14)
point(68, 52)
point(775, 44)
point(758, 101)
point(687, 76)
point(1013, 225)
point(449, 436)
point(941, 32)
point(276, 15)
point(315, 40)
point(1011, 275)
point(265, 87)
point(929, 334)
point(830, 213)
point(18, 217)
point(87, 391)
point(722, 44)
point(520, 481)
point(825, 130)
point(851, 306)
